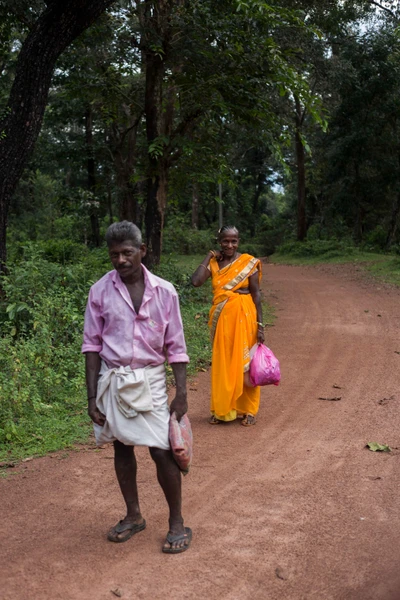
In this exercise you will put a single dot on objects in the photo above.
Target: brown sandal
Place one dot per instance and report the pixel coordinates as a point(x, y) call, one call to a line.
point(248, 420)
point(214, 421)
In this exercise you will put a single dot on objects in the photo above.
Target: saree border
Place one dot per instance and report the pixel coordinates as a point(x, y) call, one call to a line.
point(244, 273)
point(216, 315)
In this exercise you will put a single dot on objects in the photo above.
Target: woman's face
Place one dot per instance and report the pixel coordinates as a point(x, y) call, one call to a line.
point(229, 242)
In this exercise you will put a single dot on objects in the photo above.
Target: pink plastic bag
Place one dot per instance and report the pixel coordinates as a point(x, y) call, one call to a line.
point(181, 441)
point(264, 367)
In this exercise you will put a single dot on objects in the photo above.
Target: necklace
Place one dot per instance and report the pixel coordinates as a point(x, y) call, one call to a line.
point(231, 261)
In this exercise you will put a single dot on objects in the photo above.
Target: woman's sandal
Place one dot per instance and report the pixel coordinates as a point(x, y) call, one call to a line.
point(214, 421)
point(248, 420)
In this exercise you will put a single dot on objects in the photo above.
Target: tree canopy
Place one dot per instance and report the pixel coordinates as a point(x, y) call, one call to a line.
point(141, 110)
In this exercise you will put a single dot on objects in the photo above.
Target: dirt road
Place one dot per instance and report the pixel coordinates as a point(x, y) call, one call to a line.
point(293, 509)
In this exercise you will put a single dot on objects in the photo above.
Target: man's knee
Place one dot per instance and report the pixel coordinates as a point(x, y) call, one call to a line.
point(159, 455)
point(122, 451)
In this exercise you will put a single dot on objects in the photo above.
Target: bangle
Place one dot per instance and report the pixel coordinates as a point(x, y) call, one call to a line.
point(261, 325)
point(212, 252)
point(201, 265)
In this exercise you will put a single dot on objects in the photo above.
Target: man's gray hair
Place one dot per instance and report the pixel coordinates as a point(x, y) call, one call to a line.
point(122, 232)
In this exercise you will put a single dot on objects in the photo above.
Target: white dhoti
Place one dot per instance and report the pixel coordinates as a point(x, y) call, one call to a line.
point(135, 404)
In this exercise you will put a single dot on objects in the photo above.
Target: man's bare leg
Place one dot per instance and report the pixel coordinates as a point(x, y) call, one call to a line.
point(170, 479)
point(126, 469)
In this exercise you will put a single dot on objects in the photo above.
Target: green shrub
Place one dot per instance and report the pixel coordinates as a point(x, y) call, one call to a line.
point(375, 240)
point(171, 270)
point(41, 321)
point(180, 238)
point(316, 248)
point(253, 249)
point(42, 379)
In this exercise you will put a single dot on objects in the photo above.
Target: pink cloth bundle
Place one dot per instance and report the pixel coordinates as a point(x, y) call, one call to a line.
point(181, 440)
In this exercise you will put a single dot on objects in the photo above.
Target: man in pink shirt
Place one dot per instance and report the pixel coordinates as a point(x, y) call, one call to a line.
point(132, 325)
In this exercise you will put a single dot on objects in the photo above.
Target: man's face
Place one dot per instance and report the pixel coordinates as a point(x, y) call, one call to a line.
point(126, 258)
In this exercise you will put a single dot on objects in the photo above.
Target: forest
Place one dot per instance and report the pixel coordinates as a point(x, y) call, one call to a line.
point(281, 117)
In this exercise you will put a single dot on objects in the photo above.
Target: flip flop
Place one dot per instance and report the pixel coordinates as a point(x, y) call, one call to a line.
point(245, 422)
point(177, 538)
point(214, 421)
point(120, 527)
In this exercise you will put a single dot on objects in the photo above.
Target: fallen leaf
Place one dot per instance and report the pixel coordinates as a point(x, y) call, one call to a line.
point(197, 316)
point(193, 389)
point(281, 573)
point(117, 592)
point(337, 387)
point(397, 352)
point(204, 370)
point(332, 399)
point(373, 477)
point(384, 401)
point(366, 311)
point(378, 315)
point(376, 447)
point(27, 459)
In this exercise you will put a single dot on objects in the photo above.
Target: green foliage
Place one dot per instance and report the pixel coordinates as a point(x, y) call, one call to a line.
point(41, 320)
point(180, 238)
point(42, 381)
point(253, 249)
point(376, 239)
point(325, 249)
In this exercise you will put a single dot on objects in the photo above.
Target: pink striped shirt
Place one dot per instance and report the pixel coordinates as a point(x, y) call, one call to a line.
point(123, 337)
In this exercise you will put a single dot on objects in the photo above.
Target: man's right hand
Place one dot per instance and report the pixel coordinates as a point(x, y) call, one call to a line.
point(96, 416)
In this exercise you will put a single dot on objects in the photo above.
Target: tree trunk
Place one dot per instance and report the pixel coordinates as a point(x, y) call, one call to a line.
point(394, 217)
point(301, 175)
point(153, 104)
point(91, 177)
point(122, 143)
point(358, 229)
point(195, 205)
point(259, 187)
point(157, 31)
point(59, 24)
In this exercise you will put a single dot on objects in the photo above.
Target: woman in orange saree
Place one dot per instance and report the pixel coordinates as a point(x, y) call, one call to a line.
point(235, 325)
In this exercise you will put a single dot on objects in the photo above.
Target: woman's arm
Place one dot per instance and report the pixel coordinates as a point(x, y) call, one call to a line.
point(202, 273)
point(256, 296)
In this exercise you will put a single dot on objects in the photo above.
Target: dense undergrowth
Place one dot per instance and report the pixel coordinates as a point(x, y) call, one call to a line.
point(317, 251)
point(42, 392)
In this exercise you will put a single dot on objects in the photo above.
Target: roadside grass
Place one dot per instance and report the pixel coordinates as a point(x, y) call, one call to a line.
point(385, 267)
point(42, 389)
point(333, 258)
point(39, 434)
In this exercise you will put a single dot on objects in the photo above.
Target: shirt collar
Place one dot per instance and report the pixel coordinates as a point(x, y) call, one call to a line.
point(150, 280)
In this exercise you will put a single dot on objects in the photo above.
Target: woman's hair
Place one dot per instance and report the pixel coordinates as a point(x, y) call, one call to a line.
point(226, 228)
point(122, 232)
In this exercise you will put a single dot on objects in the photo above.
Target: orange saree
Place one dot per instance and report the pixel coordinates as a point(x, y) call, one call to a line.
point(233, 327)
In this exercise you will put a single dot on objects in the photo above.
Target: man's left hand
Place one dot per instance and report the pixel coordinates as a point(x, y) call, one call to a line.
point(179, 405)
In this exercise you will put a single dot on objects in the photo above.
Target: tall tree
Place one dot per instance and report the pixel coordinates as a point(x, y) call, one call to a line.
point(56, 26)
